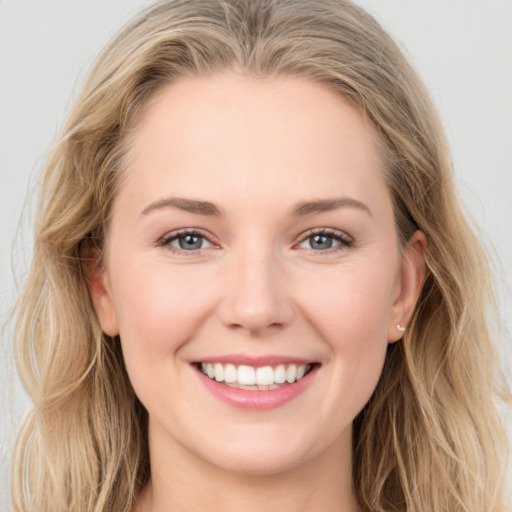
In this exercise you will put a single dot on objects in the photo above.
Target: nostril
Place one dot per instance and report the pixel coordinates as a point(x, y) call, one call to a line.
point(256, 318)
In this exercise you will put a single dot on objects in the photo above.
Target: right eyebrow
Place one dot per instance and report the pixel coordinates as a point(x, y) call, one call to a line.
point(326, 205)
point(187, 205)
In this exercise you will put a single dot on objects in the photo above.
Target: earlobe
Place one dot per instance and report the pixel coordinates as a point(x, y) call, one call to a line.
point(411, 281)
point(99, 290)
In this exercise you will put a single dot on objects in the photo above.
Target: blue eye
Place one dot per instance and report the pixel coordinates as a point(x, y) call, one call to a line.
point(320, 242)
point(186, 241)
point(189, 242)
point(325, 241)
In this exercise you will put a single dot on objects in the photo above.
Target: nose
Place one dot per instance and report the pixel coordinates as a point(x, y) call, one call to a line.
point(255, 297)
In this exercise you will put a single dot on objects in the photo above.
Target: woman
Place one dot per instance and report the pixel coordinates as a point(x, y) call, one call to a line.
point(252, 285)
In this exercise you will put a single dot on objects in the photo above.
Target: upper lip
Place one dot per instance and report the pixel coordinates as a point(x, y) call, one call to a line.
point(256, 361)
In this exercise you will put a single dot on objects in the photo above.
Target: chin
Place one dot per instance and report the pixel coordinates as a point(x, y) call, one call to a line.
point(270, 452)
point(255, 463)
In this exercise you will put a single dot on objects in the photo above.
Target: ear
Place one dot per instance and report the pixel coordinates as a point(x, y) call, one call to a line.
point(99, 290)
point(412, 276)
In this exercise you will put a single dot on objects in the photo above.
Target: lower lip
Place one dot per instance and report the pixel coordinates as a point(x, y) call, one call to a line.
point(257, 400)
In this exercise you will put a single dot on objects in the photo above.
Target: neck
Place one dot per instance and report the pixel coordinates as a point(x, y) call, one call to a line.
point(181, 481)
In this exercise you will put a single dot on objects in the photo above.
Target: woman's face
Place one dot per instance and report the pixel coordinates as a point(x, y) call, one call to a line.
point(253, 239)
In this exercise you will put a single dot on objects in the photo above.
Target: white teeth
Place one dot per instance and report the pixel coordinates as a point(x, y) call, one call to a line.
point(247, 377)
point(265, 376)
point(219, 372)
point(301, 371)
point(291, 373)
point(230, 373)
point(280, 374)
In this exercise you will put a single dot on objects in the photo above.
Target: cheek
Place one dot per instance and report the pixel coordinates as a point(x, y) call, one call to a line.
point(159, 308)
point(352, 305)
point(351, 314)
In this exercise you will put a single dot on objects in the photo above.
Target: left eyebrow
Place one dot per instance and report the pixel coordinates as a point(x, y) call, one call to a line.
point(326, 205)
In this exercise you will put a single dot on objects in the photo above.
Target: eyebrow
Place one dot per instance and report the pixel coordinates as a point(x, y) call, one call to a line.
point(187, 205)
point(300, 209)
point(326, 205)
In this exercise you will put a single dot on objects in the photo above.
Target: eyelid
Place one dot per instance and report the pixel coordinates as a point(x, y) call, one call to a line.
point(345, 240)
point(165, 240)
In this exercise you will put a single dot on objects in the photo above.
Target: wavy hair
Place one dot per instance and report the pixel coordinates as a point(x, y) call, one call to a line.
point(429, 439)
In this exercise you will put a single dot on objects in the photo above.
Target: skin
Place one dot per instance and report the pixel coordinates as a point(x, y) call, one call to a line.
point(254, 148)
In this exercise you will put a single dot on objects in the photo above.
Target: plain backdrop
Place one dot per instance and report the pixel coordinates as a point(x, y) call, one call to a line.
point(462, 49)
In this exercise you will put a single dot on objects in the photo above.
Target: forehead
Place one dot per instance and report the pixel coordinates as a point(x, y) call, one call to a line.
point(253, 139)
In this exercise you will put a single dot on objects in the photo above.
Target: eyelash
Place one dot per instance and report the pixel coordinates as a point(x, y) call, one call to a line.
point(344, 241)
point(167, 240)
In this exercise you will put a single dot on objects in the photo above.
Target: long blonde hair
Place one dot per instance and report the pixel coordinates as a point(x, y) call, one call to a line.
point(429, 439)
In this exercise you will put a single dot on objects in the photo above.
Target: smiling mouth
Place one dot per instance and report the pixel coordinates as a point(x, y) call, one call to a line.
point(252, 378)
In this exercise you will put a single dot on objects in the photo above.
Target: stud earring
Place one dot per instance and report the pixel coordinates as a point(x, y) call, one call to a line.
point(400, 328)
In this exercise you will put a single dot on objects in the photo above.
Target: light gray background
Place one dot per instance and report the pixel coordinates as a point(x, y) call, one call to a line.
point(462, 49)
